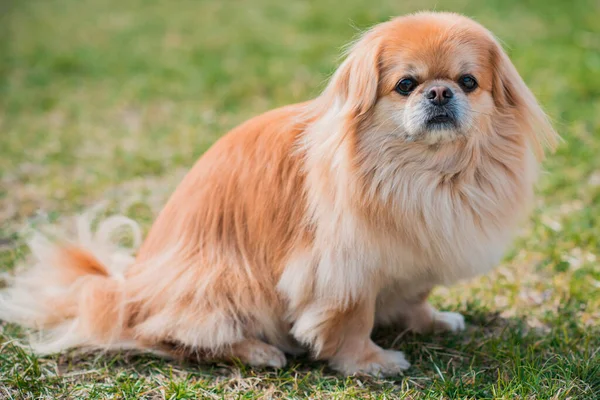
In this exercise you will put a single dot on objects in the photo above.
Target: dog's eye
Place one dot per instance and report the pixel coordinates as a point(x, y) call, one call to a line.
point(406, 85)
point(468, 83)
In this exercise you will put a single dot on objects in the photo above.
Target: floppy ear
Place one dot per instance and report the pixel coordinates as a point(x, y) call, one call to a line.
point(513, 97)
point(354, 86)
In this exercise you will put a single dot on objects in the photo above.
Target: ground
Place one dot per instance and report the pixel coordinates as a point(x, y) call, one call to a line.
point(111, 101)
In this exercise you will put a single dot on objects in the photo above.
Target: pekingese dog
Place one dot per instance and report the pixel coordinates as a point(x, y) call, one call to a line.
point(305, 227)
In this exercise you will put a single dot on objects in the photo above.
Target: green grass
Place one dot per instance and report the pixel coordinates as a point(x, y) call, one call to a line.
point(113, 100)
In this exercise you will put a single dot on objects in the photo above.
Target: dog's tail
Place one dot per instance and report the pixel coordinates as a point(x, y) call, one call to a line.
point(74, 292)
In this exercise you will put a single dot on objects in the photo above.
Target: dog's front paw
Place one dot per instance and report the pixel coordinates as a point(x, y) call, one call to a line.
point(446, 321)
point(380, 363)
point(388, 363)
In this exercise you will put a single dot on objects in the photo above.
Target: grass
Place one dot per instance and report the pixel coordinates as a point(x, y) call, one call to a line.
point(112, 101)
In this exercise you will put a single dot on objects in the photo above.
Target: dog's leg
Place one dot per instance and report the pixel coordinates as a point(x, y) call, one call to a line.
point(423, 318)
point(416, 314)
point(343, 337)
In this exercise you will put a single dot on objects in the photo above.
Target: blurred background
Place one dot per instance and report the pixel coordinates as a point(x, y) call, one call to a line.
point(114, 100)
point(95, 93)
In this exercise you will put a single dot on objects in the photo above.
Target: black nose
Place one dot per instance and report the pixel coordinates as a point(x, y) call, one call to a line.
point(439, 95)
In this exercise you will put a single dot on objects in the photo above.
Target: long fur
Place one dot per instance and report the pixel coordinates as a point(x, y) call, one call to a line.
point(305, 226)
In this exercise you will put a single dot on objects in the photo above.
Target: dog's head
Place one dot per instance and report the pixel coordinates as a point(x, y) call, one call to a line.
point(434, 78)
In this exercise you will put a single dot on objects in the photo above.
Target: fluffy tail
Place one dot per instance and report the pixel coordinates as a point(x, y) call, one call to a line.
point(73, 294)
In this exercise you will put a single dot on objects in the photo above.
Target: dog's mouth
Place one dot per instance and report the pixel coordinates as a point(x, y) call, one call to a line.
point(441, 120)
point(436, 124)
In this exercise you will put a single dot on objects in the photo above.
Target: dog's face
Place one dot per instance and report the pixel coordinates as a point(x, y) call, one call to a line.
point(435, 85)
point(433, 79)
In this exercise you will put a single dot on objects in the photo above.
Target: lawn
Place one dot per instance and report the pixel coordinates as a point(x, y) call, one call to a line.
point(111, 101)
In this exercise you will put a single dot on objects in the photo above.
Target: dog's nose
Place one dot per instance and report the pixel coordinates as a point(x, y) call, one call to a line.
point(439, 95)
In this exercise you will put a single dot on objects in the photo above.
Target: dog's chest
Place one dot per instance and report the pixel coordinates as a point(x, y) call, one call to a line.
point(444, 237)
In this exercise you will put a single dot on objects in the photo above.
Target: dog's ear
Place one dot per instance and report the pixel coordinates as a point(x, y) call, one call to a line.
point(512, 97)
point(356, 81)
point(353, 89)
